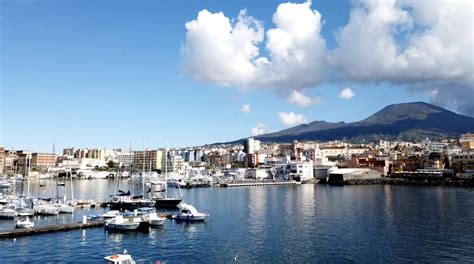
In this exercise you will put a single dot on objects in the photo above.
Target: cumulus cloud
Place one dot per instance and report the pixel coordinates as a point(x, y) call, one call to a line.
point(419, 45)
point(346, 93)
point(291, 119)
point(299, 99)
point(245, 109)
point(258, 129)
point(220, 51)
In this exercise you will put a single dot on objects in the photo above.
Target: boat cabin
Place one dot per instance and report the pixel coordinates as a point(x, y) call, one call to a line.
point(120, 259)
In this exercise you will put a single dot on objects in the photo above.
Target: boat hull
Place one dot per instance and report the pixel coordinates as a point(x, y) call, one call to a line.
point(167, 203)
point(122, 227)
point(191, 218)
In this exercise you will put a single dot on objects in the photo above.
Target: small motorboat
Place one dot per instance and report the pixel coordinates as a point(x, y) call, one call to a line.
point(120, 223)
point(7, 213)
point(156, 220)
point(111, 214)
point(124, 258)
point(187, 212)
point(24, 223)
point(25, 212)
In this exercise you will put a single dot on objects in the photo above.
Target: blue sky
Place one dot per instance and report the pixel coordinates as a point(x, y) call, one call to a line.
point(103, 73)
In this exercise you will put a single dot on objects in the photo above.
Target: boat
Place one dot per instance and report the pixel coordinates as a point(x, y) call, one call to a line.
point(120, 223)
point(24, 223)
point(124, 258)
point(64, 208)
point(46, 209)
point(187, 212)
point(25, 211)
point(7, 213)
point(111, 214)
point(156, 220)
point(160, 196)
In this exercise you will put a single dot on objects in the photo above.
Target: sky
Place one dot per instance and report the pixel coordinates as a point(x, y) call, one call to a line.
point(184, 73)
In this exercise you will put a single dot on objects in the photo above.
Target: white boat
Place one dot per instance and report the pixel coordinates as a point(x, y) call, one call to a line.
point(111, 214)
point(7, 213)
point(25, 212)
point(64, 208)
point(47, 209)
point(156, 220)
point(24, 223)
point(187, 212)
point(124, 258)
point(121, 223)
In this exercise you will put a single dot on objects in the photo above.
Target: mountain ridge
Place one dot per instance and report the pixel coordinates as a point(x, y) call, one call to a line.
point(406, 121)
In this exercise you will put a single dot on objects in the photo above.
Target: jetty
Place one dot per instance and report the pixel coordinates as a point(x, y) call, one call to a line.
point(258, 183)
point(47, 229)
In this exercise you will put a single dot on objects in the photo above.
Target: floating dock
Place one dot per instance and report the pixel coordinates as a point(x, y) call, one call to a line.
point(47, 229)
point(257, 183)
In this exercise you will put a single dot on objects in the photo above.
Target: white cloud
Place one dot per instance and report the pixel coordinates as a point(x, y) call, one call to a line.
point(226, 53)
point(420, 45)
point(436, 50)
point(299, 99)
point(291, 119)
point(346, 93)
point(258, 129)
point(245, 109)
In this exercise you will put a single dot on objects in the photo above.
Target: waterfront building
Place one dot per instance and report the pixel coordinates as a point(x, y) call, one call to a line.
point(149, 160)
point(2, 159)
point(125, 159)
point(464, 162)
point(24, 162)
point(10, 162)
point(338, 175)
point(43, 159)
point(257, 173)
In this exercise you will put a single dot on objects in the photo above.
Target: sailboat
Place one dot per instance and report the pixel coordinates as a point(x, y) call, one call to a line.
point(160, 190)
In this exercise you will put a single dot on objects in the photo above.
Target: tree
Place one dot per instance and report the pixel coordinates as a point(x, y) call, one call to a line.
point(111, 164)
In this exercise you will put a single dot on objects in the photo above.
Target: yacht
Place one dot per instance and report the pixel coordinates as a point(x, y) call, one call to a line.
point(7, 213)
point(187, 212)
point(24, 223)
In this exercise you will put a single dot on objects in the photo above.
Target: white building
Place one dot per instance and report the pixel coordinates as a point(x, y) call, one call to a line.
point(252, 145)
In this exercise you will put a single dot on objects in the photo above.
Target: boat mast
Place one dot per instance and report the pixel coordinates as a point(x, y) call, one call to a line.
point(143, 168)
point(166, 168)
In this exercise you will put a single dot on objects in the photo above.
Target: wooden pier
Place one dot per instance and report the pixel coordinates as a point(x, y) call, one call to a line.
point(47, 229)
point(258, 183)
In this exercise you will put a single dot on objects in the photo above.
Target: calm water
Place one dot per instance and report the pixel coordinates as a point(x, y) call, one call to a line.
point(277, 224)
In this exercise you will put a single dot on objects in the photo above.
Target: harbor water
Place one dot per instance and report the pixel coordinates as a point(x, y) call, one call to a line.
point(295, 223)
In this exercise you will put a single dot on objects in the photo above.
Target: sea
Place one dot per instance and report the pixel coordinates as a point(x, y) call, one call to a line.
point(267, 224)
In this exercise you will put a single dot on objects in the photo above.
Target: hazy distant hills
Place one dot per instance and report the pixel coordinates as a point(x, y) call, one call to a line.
point(408, 121)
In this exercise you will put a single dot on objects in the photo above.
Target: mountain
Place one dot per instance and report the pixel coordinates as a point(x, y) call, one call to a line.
point(408, 121)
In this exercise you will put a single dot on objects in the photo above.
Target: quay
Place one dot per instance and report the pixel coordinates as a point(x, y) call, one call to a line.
point(47, 229)
point(258, 183)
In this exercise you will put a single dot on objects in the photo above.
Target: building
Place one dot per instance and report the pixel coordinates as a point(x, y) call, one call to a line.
point(10, 164)
point(467, 141)
point(340, 175)
point(96, 154)
point(256, 173)
point(2, 159)
point(43, 160)
point(24, 165)
point(149, 160)
point(252, 145)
